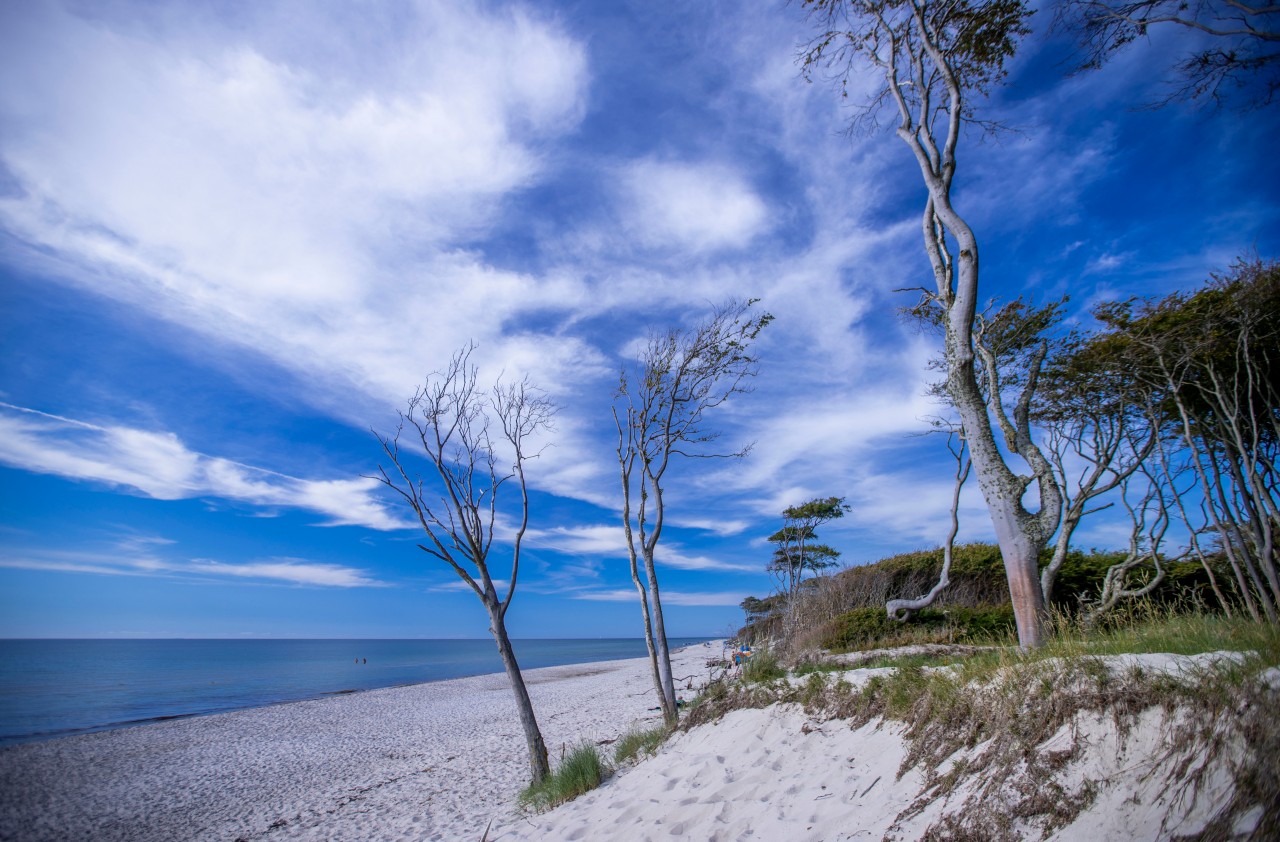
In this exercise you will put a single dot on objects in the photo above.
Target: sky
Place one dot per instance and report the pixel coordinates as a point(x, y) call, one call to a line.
point(235, 236)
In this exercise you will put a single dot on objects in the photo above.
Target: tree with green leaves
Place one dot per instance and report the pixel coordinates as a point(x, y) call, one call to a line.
point(934, 60)
point(661, 411)
point(1212, 357)
point(796, 548)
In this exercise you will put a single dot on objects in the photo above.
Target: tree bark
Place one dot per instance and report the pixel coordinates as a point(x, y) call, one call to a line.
point(539, 767)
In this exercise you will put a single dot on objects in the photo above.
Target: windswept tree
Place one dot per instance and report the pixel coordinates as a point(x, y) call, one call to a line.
point(661, 411)
point(1239, 60)
point(1101, 428)
point(934, 60)
point(796, 548)
point(1213, 357)
point(459, 428)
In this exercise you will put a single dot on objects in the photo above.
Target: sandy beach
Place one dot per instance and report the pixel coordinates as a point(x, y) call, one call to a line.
point(446, 761)
point(429, 761)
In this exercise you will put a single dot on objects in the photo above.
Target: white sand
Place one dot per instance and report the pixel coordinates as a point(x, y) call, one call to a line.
point(440, 761)
point(778, 774)
point(431, 761)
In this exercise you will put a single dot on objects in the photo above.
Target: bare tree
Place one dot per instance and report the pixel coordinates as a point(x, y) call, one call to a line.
point(1243, 50)
point(660, 411)
point(450, 417)
point(932, 58)
point(1101, 426)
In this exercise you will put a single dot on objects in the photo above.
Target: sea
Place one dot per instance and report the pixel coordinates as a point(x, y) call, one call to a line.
point(55, 688)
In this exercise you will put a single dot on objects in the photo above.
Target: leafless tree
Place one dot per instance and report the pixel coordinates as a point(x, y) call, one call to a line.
point(660, 411)
point(1100, 428)
point(934, 59)
point(450, 418)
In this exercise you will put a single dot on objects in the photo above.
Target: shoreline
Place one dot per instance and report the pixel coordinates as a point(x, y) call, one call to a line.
point(432, 760)
point(165, 709)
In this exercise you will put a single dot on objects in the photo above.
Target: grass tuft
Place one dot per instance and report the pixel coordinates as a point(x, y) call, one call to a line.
point(582, 770)
point(762, 667)
point(639, 742)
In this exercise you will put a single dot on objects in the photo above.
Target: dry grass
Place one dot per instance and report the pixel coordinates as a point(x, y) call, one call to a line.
point(999, 707)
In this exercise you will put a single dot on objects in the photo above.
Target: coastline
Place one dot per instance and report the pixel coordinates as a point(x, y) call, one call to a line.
point(437, 760)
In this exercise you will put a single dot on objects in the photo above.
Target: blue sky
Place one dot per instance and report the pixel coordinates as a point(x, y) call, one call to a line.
point(235, 236)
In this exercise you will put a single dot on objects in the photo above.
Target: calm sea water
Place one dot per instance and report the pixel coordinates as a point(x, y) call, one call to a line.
point(51, 688)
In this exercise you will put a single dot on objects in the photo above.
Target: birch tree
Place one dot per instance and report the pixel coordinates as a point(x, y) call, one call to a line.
point(661, 411)
point(453, 422)
point(933, 60)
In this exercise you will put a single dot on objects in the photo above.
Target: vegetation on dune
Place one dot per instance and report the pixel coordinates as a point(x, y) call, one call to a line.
point(845, 612)
point(581, 770)
point(639, 742)
point(984, 719)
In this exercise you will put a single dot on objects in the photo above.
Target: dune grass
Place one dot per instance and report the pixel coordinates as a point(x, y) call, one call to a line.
point(639, 742)
point(582, 770)
point(999, 705)
point(763, 667)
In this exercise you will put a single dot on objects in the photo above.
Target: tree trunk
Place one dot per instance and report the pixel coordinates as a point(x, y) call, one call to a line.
point(648, 634)
point(539, 768)
point(666, 689)
point(1021, 554)
point(1020, 534)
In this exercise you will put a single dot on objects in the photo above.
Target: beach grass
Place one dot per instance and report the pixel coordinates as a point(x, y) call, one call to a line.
point(581, 770)
point(763, 667)
point(640, 742)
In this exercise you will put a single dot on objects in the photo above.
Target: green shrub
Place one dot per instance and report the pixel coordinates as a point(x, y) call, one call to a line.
point(762, 667)
point(872, 628)
point(813, 667)
point(639, 741)
point(581, 771)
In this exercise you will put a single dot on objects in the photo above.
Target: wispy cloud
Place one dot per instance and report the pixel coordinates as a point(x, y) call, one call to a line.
point(685, 598)
point(122, 562)
point(608, 540)
point(159, 465)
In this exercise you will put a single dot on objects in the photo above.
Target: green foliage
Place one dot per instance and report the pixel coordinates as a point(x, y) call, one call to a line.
point(976, 605)
point(582, 770)
point(974, 38)
point(819, 667)
point(639, 742)
point(797, 551)
point(871, 628)
point(762, 667)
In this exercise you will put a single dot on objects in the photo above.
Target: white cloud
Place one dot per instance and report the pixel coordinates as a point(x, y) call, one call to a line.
point(159, 465)
point(683, 598)
point(292, 570)
point(245, 184)
point(124, 562)
point(609, 540)
point(694, 207)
